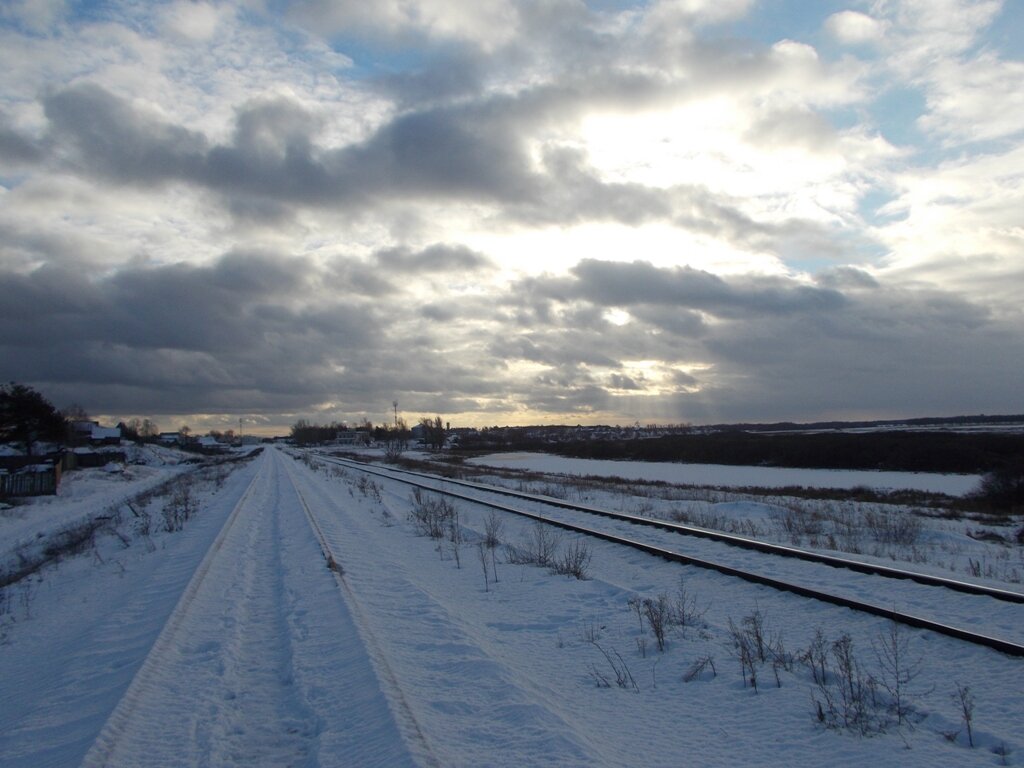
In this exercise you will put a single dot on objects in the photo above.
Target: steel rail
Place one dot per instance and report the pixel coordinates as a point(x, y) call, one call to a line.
point(998, 644)
point(732, 539)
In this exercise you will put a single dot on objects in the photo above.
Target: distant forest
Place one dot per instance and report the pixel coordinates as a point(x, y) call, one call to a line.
point(939, 451)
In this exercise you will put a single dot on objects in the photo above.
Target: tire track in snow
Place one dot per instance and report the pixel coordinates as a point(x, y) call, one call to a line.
point(69, 666)
point(259, 664)
point(404, 715)
point(104, 748)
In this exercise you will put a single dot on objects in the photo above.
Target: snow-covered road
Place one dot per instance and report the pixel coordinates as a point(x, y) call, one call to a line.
point(238, 676)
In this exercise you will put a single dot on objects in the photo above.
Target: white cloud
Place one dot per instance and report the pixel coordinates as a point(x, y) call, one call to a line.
point(923, 32)
point(487, 23)
point(192, 20)
point(853, 28)
point(35, 15)
point(958, 226)
point(698, 11)
point(978, 99)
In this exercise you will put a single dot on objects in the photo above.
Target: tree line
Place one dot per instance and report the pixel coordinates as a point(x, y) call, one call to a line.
point(27, 417)
point(394, 435)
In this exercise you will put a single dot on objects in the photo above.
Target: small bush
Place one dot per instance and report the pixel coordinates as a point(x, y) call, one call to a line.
point(619, 671)
point(659, 616)
point(1003, 488)
point(180, 507)
point(575, 560)
point(852, 702)
point(431, 516)
point(539, 547)
point(492, 530)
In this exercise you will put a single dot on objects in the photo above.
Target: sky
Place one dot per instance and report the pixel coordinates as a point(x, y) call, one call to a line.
point(536, 212)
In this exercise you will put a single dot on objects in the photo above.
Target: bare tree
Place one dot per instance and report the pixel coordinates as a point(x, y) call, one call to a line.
point(433, 431)
point(395, 438)
point(74, 412)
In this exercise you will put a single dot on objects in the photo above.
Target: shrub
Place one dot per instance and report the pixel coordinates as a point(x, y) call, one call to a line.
point(431, 516)
point(659, 614)
point(180, 507)
point(492, 530)
point(575, 560)
point(1003, 489)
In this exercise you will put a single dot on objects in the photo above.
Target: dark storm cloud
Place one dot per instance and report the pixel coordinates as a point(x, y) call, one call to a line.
point(846, 277)
point(625, 284)
point(17, 149)
point(461, 152)
point(246, 323)
point(770, 344)
point(435, 258)
point(444, 76)
point(469, 150)
point(457, 152)
point(103, 134)
point(619, 381)
point(570, 193)
point(568, 346)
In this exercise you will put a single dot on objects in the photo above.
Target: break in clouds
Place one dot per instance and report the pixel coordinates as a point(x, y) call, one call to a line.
point(512, 212)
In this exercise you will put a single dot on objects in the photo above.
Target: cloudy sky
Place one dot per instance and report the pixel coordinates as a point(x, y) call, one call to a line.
point(546, 211)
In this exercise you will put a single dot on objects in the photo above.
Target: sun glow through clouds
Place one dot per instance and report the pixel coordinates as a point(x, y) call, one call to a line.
point(287, 206)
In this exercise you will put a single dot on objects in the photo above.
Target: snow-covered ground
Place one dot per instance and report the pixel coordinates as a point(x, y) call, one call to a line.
point(727, 476)
point(84, 494)
point(230, 642)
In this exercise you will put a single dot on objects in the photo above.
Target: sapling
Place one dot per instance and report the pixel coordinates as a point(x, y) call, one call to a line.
point(455, 535)
point(898, 669)
point(482, 551)
point(492, 530)
point(658, 613)
point(965, 700)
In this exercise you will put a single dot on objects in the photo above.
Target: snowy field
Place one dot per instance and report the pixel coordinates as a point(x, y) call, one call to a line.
point(228, 641)
point(727, 476)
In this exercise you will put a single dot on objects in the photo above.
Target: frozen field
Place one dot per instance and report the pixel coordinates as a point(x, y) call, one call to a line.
point(722, 475)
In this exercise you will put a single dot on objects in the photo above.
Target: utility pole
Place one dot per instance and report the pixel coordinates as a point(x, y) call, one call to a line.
point(395, 404)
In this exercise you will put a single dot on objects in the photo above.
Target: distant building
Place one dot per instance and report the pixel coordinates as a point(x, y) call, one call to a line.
point(90, 432)
point(352, 438)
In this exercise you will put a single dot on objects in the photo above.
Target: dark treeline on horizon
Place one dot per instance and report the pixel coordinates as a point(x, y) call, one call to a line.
point(897, 450)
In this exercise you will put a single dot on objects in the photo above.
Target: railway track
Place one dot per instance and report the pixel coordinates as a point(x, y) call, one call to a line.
point(432, 483)
point(234, 675)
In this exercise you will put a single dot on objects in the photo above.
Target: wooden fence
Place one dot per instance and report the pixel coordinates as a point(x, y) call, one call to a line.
point(35, 480)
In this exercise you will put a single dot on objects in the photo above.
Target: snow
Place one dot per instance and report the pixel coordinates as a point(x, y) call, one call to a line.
point(83, 495)
point(722, 475)
point(231, 643)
